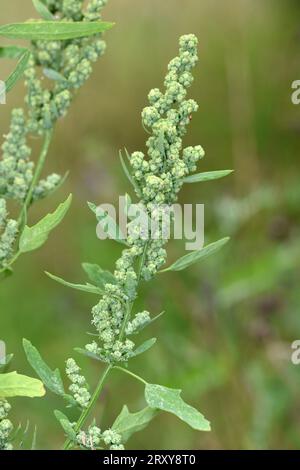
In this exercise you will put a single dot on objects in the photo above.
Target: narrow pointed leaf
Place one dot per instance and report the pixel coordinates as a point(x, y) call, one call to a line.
point(53, 30)
point(13, 384)
point(128, 423)
point(82, 287)
point(34, 237)
point(168, 399)
point(152, 320)
point(207, 176)
point(11, 52)
point(42, 10)
point(127, 172)
point(89, 354)
point(15, 76)
point(196, 256)
point(143, 347)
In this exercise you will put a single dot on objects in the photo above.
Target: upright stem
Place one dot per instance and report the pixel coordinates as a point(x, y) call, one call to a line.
point(86, 412)
point(38, 169)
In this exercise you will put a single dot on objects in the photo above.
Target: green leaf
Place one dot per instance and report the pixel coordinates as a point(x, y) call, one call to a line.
point(169, 399)
point(108, 224)
point(34, 237)
point(65, 424)
point(98, 276)
point(82, 287)
point(128, 203)
point(89, 354)
point(43, 10)
point(11, 52)
point(17, 385)
point(138, 330)
point(195, 256)
point(207, 176)
point(128, 423)
point(143, 347)
point(51, 379)
point(127, 172)
point(14, 52)
point(53, 30)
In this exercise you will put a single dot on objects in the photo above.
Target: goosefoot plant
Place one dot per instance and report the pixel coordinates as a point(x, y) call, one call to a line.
point(157, 180)
point(64, 44)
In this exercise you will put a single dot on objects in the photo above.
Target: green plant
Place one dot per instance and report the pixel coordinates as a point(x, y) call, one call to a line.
point(64, 44)
point(156, 181)
point(13, 384)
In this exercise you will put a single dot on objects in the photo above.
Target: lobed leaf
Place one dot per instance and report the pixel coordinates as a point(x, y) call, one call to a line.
point(35, 236)
point(195, 256)
point(128, 423)
point(13, 384)
point(168, 399)
point(51, 379)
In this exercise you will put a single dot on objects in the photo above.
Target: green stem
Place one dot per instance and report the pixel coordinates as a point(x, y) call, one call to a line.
point(137, 377)
point(12, 260)
point(85, 414)
point(38, 169)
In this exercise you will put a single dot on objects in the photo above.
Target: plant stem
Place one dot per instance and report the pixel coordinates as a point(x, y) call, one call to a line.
point(12, 260)
point(85, 414)
point(36, 176)
point(137, 377)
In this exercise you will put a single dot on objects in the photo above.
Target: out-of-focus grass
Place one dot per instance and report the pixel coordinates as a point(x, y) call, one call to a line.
point(226, 335)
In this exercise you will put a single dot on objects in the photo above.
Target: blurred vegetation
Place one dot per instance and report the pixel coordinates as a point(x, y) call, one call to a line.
point(230, 321)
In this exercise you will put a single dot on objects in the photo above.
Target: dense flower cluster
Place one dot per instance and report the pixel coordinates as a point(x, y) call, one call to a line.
point(158, 178)
point(8, 234)
point(67, 64)
point(79, 387)
point(6, 426)
point(94, 437)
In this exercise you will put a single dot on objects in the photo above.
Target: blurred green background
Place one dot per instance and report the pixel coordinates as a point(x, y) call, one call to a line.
point(230, 321)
